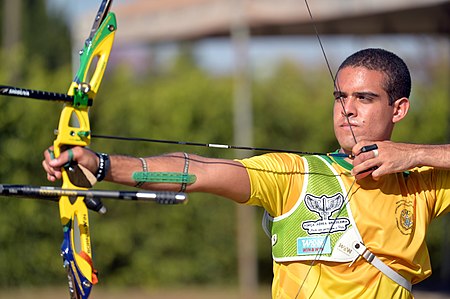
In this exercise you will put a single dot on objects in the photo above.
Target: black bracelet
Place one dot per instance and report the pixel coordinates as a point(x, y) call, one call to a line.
point(103, 166)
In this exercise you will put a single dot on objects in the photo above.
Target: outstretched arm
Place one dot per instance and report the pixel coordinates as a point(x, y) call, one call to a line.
point(221, 177)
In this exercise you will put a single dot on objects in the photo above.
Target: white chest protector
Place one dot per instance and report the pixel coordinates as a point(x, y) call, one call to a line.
point(320, 226)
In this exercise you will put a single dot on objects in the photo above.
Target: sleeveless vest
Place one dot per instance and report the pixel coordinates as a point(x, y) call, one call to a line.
point(320, 226)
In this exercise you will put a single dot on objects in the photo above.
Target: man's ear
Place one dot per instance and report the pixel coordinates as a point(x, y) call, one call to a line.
point(401, 107)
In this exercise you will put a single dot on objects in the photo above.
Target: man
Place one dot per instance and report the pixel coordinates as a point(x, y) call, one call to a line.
point(348, 225)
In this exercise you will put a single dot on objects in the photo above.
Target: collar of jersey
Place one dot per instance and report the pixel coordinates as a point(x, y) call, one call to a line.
point(340, 161)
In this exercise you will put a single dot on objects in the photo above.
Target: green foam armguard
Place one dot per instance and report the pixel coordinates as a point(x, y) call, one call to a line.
point(164, 177)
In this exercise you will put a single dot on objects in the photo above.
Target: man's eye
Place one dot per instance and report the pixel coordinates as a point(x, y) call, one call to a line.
point(365, 98)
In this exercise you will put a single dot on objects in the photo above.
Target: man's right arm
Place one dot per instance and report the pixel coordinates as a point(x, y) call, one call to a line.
point(392, 157)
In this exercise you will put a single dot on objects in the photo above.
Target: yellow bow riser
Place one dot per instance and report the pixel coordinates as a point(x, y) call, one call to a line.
point(74, 130)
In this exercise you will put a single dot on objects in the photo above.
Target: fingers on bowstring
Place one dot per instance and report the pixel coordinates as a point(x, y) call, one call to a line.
point(364, 156)
point(372, 148)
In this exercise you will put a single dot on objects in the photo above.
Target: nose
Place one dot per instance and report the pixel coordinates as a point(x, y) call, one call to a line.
point(348, 107)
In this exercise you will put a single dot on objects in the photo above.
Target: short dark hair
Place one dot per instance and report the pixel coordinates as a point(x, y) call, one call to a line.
point(397, 77)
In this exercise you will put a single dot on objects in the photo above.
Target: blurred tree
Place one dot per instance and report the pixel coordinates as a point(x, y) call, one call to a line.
point(27, 25)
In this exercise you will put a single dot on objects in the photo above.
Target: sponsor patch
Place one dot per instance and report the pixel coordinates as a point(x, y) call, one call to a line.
point(313, 245)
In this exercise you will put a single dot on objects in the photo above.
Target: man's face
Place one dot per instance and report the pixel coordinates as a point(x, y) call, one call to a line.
point(360, 97)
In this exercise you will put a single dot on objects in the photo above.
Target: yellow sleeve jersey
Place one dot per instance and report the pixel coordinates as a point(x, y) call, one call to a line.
point(392, 216)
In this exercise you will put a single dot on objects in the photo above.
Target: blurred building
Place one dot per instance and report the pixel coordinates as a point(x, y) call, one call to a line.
point(169, 20)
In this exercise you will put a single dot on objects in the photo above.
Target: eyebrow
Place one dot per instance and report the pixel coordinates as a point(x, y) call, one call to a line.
point(338, 94)
point(356, 94)
point(366, 94)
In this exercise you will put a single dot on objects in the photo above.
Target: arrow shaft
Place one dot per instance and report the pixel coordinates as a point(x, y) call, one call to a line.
point(217, 145)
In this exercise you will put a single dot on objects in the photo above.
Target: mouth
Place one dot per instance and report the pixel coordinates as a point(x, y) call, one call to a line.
point(349, 128)
point(348, 125)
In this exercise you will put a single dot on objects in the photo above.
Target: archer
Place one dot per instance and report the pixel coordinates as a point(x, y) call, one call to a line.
point(351, 227)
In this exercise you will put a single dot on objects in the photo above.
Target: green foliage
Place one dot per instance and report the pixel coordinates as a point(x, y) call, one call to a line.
point(161, 245)
point(300, 104)
point(142, 244)
point(53, 46)
point(28, 226)
point(427, 120)
point(182, 104)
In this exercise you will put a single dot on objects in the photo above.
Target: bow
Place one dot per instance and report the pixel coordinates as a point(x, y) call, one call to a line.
point(74, 197)
point(74, 130)
point(77, 259)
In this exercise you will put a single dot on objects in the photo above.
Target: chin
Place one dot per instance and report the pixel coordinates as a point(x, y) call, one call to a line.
point(346, 143)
